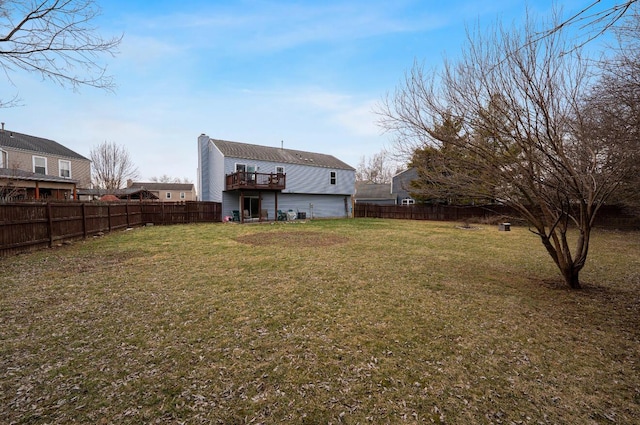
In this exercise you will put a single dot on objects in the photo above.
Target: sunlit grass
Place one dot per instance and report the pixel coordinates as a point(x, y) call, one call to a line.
point(348, 321)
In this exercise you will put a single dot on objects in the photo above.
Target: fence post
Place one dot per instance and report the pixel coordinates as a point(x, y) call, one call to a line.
point(109, 216)
point(50, 224)
point(126, 211)
point(84, 220)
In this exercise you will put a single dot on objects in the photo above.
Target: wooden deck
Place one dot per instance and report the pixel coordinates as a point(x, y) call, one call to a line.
point(255, 181)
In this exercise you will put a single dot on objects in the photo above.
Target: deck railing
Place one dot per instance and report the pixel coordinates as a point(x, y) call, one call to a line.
point(259, 181)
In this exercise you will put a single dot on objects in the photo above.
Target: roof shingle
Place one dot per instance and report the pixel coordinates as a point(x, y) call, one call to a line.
point(279, 155)
point(11, 139)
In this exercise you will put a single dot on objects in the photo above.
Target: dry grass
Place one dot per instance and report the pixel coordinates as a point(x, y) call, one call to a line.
point(352, 321)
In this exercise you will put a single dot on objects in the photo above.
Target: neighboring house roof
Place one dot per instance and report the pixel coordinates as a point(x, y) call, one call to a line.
point(120, 193)
point(278, 155)
point(25, 142)
point(162, 186)
point(373, 191)
point(14, 173)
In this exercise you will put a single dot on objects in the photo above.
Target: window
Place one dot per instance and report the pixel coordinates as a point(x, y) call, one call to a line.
point(3, 159)
point(279, 169)
point(168, 195)
point(65, 168)
point(241, 167)
point(182, 195)
point(39, 165)
point(333, 177)
point(408, 201)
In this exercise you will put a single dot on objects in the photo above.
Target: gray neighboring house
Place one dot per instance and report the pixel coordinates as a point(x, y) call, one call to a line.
point(374, 193)
point(37, 168)
point(401, 186)
point(256, 182)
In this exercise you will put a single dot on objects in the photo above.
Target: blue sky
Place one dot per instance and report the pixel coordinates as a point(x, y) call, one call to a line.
point(308, 73)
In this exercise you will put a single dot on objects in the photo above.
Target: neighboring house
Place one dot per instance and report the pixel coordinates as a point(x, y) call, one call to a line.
point(167, 192)
point(258, 181)
point(374, 193)
point(36, 168)
point(401, 186)
point(127, 194)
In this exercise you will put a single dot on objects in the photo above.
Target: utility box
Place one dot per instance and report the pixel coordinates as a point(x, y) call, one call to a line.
point(302, 215)
point(504, 227)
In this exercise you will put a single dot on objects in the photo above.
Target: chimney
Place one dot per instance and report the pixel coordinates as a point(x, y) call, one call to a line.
point(2, 127)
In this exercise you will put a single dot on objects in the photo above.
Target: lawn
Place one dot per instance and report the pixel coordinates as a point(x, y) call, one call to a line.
point(328, 321)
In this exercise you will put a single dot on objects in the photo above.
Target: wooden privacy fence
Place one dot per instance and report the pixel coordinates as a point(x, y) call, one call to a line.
point(431, 212)
point(609, 216)
point(25, 226)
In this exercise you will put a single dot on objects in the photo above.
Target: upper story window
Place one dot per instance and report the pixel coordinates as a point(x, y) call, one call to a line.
point(65, 168)
point(333, 177)
point(241, 167)
point(279, 169)
point(183, 195)
point(3, 159)
point(408, 201)
point(40, 165)
point(168, 195)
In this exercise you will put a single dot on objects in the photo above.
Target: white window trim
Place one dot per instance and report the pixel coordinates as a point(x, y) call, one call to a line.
point(168, 195)
point(241, 164)
point(60, 162)
point(333, 175)
point(279, 167)
point(33, 161)
point(4, 159)
point(183, 195)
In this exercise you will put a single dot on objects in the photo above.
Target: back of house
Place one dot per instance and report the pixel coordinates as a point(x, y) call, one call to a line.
point(257, 182)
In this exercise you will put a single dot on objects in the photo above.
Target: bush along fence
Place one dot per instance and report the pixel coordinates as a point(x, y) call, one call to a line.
point(26, 226)
point(609, 216)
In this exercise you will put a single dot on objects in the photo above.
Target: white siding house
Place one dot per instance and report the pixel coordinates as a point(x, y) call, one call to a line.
point(257, 181)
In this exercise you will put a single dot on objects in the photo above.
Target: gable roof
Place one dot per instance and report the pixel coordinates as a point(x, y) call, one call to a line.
point(278, 155)
point(12, 139)
point(367, 190)
point(162, 186)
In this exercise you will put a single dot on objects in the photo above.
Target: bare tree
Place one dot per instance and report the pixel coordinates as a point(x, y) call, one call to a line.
point(612, 108)
point(379, 168)
point(111, 166)
point(56, 39)
point(165, 178)
point(519, 101)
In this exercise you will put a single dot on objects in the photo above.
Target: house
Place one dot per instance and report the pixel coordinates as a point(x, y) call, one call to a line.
point(255, 182)
point(401, 186)
point(374, 193)
point(36, 168)
point(167, 192)
point(127, 194)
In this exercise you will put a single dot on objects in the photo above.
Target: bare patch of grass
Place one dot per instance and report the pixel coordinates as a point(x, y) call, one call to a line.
point(348, 321)
point(292, 239)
